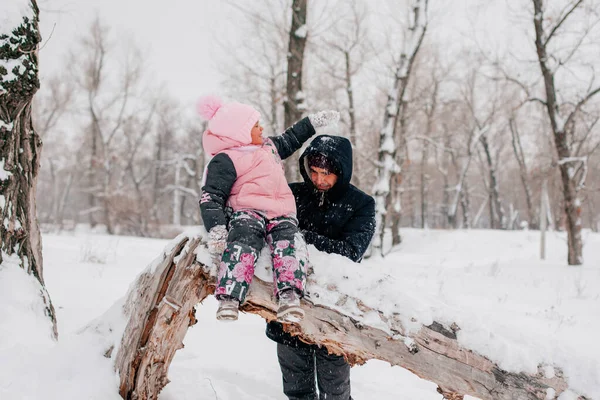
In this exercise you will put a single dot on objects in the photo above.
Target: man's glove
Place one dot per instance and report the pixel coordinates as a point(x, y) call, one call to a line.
point(217, 240)
point(324, 118)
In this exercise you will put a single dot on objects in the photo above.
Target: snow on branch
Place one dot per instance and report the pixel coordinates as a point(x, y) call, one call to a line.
point(572, 159)
point(388, 168)
point(302, 31)
point(572, 172)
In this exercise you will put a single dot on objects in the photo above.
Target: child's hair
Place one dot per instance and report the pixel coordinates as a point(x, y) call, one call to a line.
point(230, 120)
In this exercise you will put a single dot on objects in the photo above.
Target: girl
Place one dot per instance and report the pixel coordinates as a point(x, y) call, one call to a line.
point(245, 186)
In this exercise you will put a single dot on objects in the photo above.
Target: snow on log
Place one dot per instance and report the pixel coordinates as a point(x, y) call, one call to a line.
point(160, 308)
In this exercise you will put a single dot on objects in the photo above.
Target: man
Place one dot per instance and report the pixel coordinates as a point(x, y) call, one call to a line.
point(335, 217)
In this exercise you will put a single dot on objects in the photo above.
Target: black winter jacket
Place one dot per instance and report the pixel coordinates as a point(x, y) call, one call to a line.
point(340, 220)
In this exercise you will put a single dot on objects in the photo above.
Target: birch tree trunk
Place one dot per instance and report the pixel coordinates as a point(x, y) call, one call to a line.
point(293, 104)
point(20, 148)
point(160, 308)
point(387, 167)
point(562, 128)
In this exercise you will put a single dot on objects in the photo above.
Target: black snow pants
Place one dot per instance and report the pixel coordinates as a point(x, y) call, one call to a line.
point(299, 365)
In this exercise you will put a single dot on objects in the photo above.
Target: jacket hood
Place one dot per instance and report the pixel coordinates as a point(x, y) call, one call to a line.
point(214, 143)
point(229, 126)
point(338, 150)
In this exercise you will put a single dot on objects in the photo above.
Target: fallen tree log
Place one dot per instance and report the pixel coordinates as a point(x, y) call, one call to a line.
point(160, 308)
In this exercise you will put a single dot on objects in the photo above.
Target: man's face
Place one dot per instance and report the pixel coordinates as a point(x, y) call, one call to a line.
point(322, 178)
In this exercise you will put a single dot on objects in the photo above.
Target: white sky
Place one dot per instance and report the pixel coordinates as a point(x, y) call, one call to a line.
point(177, 37)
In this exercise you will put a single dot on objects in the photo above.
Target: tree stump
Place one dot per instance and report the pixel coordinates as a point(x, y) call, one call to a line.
point(160, 308)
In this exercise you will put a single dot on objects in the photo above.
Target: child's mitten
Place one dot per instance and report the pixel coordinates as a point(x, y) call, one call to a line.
point(324, 118)
point(217, 240)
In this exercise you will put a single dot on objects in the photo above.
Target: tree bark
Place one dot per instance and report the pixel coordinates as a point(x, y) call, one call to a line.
point(560, 130)
point(293, 104)
point(395, 211)
point(160, 308)
point(20, 148)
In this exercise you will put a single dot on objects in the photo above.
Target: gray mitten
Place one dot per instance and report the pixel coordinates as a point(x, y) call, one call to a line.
point(324, 118)
point(217, 240)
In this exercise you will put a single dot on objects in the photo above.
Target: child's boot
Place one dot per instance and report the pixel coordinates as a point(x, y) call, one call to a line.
point(289, 306)
point(228, 309)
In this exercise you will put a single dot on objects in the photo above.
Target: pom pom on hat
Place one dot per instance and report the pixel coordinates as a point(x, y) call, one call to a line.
point(208, 106)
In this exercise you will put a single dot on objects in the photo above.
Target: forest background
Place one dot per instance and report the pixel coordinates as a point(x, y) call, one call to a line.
point(473, 146)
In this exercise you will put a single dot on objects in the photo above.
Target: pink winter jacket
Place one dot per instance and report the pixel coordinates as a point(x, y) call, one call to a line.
point(260, 185)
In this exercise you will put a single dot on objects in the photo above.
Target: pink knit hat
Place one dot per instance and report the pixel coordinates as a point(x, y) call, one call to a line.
point(229, 125)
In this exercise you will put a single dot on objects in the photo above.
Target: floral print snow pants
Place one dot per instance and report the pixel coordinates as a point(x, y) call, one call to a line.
point(247, 233)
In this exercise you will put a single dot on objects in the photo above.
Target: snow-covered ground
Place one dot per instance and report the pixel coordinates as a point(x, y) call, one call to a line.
point(510, 305)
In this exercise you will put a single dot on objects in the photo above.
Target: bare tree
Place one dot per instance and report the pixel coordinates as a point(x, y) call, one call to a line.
point(461, 188)
point(430, 110)
point(136, 169)
point(165, 144)
point(497, 213)
point(92, 71)
point(446, 162)
point(20, 147)
point(442, 162)
point(294, 103)
point(388, 168)
point(344, 53)
point(53, 104)
point(257, 70)
point(485, 110)
point(192, 169)
point(523, 173)
point(563, 115)
point(50, 104)
point(110, 100)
